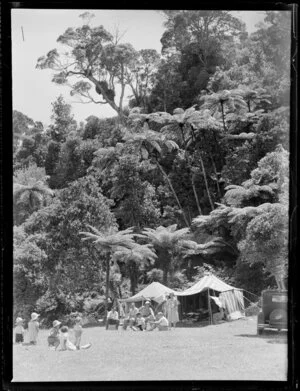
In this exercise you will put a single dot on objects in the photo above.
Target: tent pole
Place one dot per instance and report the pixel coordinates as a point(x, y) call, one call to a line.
point(209, 307)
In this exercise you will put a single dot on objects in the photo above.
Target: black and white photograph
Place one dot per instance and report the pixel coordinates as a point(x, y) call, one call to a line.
point(151, 194)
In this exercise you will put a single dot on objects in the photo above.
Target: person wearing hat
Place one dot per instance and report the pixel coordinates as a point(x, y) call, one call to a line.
point(53, 338)
point(19, 330)
point(147, 313)
point(33, 328)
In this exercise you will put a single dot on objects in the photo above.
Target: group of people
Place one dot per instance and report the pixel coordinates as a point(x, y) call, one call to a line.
point(58, 336)
point(138, 319)
point(144, 319)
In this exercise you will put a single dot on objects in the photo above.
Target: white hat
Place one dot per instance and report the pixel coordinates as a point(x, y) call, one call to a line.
point(56, 323)
point(34, 316)
point(18, 320)
point(147, 302)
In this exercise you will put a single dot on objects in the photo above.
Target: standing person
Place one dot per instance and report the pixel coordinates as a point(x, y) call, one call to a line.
point(53, 338)
point(172, 310)
point(164, 304)
point(147, 313)
point(33, 328)
point(112, 318)
point(77, 332)
point(19, 330)
point(131, 317)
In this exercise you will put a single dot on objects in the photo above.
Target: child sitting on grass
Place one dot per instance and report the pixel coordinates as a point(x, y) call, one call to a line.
point(162, 323)
point(19, 330)
point(53, 338)
point(139, 323)
point(65, 343)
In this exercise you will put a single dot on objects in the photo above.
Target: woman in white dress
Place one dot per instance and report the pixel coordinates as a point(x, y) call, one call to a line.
point(172, 310)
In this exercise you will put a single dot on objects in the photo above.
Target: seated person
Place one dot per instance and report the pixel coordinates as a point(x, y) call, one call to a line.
point(54, 337)
point(147, 313)
point(65, 343)
point(161, 323)
point(131, 317)
point(112, 318)
point(139, 323)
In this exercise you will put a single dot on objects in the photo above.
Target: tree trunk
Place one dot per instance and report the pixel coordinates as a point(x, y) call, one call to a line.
point(165, 276)
point(192, 175)
point(133, 278)
point(120, 292)
point(165, 98)
point(122, 90)
point(107, 282)
point(173, 191)
point(217, 177)
point(223, 116)
point(205, 181)
point(196, 195)
point(106, 98)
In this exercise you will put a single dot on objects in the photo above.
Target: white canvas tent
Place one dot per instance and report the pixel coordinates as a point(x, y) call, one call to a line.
point(155, 291)
point(231, 298)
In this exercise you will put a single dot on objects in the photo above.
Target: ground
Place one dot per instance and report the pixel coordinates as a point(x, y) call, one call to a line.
point(228, 351)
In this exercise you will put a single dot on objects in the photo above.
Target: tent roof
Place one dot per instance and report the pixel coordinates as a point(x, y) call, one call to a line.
point(207, 282)
point(152, 291)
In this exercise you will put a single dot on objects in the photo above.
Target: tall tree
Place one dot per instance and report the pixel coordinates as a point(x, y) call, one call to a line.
point(30, 192)
point(97, 59)
point(63, 121)
point(72, 266)
point(21, 127)
point(164, 240)
point(109, 242)
point(255, 219)
point(63, 124)
point(196, 41)
point(135, 259)
point(141, 77)
point(150, 143)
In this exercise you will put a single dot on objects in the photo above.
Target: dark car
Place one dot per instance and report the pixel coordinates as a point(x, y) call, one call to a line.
point(273, 313)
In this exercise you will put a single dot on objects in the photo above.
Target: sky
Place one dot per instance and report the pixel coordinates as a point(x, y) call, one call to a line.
point(33, 91)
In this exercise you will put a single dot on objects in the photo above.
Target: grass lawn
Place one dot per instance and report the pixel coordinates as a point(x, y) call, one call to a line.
point(228, 351)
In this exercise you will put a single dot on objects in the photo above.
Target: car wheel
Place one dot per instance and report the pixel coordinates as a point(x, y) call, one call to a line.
point(260, 331)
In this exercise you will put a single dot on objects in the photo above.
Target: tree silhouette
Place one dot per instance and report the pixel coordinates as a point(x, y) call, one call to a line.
point(109, 242)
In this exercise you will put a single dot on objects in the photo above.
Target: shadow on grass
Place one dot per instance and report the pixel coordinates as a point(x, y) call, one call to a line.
point(271, 336)
point(194, 324)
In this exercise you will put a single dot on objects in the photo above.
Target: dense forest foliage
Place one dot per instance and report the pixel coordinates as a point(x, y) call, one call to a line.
point(191, 175)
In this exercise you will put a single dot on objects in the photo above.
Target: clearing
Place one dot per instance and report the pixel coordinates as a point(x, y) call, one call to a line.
point(228, 351)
